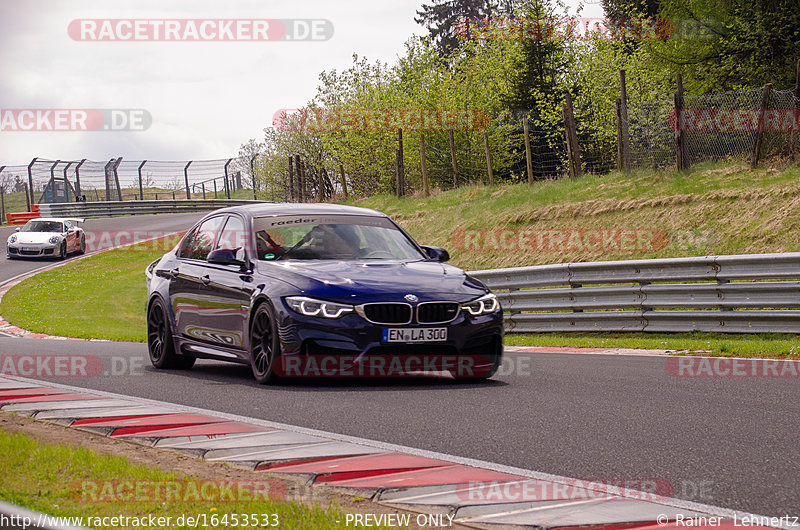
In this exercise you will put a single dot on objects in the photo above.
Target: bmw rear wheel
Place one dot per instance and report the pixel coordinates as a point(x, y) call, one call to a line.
point(264, 344)
point(160, 345)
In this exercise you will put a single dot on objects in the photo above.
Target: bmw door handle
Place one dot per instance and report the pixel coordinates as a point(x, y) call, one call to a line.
point(206, 279)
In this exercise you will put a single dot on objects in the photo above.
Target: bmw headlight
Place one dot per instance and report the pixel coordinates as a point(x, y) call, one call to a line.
point(482, 306)
point(311, 307)
point(12, 239)
point(55, 240)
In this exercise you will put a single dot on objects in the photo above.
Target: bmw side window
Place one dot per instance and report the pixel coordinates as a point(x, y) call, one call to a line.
point(186, 244)
point(200, 242)
point(233, 236)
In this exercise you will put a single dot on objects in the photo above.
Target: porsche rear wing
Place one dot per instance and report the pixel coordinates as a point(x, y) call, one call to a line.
point(74, 220)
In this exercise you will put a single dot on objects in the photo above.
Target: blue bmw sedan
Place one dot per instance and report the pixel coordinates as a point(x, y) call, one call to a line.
point(308, 290)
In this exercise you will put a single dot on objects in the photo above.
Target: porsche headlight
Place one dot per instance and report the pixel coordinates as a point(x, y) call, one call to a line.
point(482, 306)
point(12, 239)
point(55, 240)
point(311, 307)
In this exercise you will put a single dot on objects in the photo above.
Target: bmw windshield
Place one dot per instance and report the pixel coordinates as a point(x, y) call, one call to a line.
point(332, 237)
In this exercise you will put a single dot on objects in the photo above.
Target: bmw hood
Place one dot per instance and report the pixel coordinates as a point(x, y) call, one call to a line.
point(363, 281)
point(34, 238)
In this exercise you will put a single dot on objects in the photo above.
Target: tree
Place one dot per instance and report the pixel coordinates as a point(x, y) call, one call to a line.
point(729, 44)
point(443, 18)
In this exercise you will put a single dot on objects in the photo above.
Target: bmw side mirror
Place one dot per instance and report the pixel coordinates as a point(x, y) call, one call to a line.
point(436, 253)
point(224, 256)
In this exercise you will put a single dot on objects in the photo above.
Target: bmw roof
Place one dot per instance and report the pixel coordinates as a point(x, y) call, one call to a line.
point(265, 209)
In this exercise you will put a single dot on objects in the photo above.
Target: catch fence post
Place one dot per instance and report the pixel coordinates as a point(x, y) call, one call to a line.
point(141, 188)
point(186, 179)
point(766, 92)
point(78, 177)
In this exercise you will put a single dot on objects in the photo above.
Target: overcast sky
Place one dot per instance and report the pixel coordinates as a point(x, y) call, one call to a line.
point(205, 98)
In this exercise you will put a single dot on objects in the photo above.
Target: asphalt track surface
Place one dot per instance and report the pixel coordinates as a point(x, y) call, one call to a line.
point(730, 442)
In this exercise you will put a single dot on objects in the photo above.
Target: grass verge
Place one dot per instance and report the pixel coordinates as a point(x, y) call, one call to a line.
point(54, 479)
point(102, 296)
point(724, 208)
point(713, 344)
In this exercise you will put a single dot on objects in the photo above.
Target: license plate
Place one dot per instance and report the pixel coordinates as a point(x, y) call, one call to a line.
point(29, 249)
point(414, 334)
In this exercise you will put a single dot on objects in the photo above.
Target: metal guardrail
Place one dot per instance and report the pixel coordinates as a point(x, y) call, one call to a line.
point(756, 293)
point(88, 210)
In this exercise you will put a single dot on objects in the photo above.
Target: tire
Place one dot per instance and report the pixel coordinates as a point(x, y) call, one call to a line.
point(82, 246)
point(160, 346)
point(264, 344)
point(62, 251)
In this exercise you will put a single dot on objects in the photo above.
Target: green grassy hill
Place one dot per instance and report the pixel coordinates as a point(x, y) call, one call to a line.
point(713, 209)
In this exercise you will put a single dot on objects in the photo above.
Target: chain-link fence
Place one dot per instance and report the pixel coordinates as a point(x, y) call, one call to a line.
point(716, 126)
point(49, 181)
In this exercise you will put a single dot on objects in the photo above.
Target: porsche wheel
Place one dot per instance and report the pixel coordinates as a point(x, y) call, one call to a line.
point(160, 345)
point(264, 344)
point(62, 250)
point(82, 245)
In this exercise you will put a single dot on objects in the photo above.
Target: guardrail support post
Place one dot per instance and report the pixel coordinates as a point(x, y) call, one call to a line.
point(203, 184)
point(186, 179)
point(29, 187)
point(141, 188)
point(215, 188)
point(27, 198)
point(78, 178)
point(227, 187)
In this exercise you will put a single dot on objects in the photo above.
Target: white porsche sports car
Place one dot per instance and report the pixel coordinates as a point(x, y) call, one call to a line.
point(47, 237)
